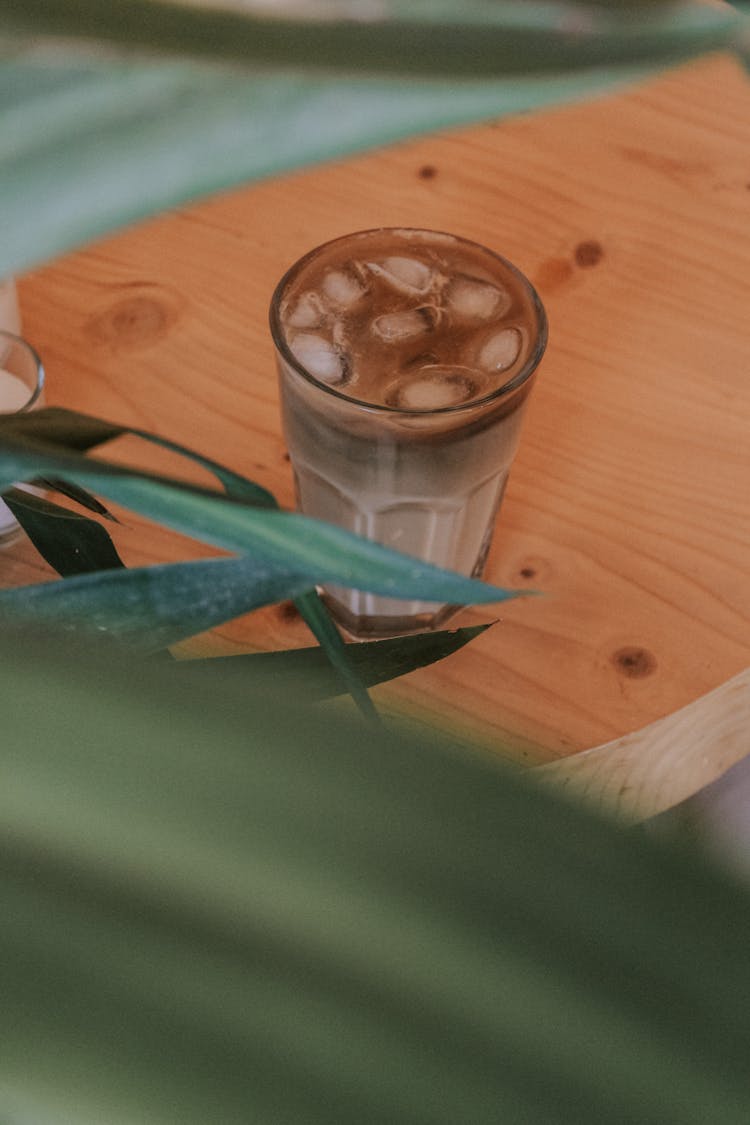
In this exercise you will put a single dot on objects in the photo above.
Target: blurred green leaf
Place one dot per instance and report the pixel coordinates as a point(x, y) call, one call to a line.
point(152, 607)
point(79, 432)
point(90, 140)
point(218, 908)
point(214, 906)
point(401, 37)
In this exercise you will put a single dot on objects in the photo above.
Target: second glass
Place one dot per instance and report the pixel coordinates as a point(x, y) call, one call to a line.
point(21, 389)
point(405, 359)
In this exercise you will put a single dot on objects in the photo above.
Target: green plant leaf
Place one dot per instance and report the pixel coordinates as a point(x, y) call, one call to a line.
point(321, 552)
point(90, 141)
point(323, 627)
point(60, 426)
point(234, 485)
point(152, 607)
point(69, 542)
point(82, 432)
point(403, 37)
point(219, 908)
point(308, 676)
point(83, 546)
point(78, 495)
point(157, 606)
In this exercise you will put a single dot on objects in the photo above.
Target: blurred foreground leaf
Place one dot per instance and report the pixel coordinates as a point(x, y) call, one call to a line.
point(217, 907)
point(401, 37)
point(91, 139)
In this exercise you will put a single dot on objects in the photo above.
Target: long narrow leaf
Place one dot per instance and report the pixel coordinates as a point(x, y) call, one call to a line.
point(69, 542)
point(68, 428)
point(307, 675)
point(158, 606)
point(153, 607)
point(77, 495)
point(81, 547)
point(82, 432)
point(323, 627)
point(234, 484)
point(321, 552)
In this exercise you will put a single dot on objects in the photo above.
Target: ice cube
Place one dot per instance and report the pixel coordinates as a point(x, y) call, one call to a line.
point(472, 299)
point(307, 313)
point(501, 350)
point(408, 275)
point(320, 358)
point(397, 326)
point(433, 389)
point(343, 288)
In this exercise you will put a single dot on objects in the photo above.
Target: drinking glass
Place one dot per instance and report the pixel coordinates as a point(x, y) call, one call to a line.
point(405, 361)
point(21, 389)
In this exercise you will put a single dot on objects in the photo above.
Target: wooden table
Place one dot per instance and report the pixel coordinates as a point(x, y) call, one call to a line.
point(629, 504)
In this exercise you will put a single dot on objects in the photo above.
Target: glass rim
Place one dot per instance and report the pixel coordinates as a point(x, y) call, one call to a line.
point(526, 371)
point(33, 354)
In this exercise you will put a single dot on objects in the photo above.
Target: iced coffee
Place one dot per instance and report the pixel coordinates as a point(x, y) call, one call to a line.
point(405, 360)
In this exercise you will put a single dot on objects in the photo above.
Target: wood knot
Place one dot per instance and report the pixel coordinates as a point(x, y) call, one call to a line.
point(634, 662)
point(427, 172)
point(288, 611)
point(134, 321)
point(534, 568)
point(588, 253)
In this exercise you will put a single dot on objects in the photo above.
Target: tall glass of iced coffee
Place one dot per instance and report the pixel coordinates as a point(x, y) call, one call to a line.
point(405, 359)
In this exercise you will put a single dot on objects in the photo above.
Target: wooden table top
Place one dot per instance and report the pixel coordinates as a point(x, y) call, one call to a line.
point(629, 502)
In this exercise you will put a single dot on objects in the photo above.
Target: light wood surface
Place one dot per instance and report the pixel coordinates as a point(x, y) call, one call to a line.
point(649, 770)
point(629, 504)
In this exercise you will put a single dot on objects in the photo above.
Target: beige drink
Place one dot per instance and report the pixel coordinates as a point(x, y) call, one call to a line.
point(405, 359)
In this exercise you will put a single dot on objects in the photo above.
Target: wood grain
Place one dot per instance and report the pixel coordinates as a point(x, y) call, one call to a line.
point(629, 504)
point(670, 760)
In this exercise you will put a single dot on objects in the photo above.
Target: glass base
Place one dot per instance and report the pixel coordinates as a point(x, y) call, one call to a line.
point(373, 627)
